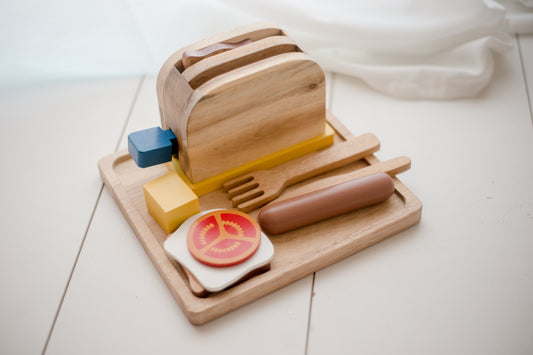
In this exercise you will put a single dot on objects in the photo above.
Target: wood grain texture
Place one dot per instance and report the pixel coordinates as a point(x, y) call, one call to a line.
point(174, 65)
point(392, 167)
point(196, 287)
point(198, 290)
point(269, 161)
point(251, 112)
point(298, 253)
point(254, 190)
point(172, 101)
point(192, 57)
point(246, 103)
point(200, 73)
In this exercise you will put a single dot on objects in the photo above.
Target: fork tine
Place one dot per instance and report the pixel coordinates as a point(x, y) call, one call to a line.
point(254, 203)
point(241, 189)
point(247, 196)
point(230, 184)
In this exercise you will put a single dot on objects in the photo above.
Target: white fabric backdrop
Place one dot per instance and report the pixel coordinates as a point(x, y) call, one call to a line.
point(404, 48)
point(519, 15)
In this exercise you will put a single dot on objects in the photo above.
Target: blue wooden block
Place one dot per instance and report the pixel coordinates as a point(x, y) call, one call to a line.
point(152, 146)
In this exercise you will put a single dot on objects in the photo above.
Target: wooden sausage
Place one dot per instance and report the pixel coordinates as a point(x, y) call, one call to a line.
point(299, 211)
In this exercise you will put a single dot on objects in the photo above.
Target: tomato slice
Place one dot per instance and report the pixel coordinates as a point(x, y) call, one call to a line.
point(223, 238)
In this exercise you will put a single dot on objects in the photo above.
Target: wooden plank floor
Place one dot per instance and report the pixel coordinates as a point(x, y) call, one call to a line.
point(460, 281)
point(51, 138)
point(76, 280)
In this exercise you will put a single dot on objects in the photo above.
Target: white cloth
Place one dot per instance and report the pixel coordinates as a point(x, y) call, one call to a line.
point(519, 15)
point(408, 48)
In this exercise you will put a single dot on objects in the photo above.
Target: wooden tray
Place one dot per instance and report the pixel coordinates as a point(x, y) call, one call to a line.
point(297, 253)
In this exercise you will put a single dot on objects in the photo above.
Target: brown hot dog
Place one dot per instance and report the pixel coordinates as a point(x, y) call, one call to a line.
point(299, 211)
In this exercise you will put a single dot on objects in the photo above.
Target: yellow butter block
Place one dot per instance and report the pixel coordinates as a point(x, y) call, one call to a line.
point(214, 183)
point(170, 201)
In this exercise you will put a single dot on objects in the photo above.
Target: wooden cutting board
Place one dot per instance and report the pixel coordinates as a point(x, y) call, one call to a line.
point(297, 253)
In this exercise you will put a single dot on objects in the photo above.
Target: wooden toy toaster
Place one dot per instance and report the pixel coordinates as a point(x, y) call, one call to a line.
point(240, 96)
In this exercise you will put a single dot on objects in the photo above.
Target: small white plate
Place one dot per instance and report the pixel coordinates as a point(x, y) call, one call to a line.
point(215, 279)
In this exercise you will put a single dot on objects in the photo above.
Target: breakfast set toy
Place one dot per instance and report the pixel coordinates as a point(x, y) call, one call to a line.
point(250, 183)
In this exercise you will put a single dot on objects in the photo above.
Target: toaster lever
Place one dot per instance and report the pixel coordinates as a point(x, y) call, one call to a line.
point(191, 57)
point(152, 146)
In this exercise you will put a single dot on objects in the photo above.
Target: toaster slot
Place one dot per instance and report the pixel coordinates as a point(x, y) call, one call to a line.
point(254, 36)
point(189, 58)
point(211, 67)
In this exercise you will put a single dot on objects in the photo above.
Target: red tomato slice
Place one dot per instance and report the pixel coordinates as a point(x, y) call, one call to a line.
point(223, 238)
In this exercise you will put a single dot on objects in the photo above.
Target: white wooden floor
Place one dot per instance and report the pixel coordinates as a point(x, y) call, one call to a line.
point(75, 280)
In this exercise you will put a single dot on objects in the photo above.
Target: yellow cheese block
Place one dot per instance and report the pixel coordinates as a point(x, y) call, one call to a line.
point(170, 201)
point(214, 183)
